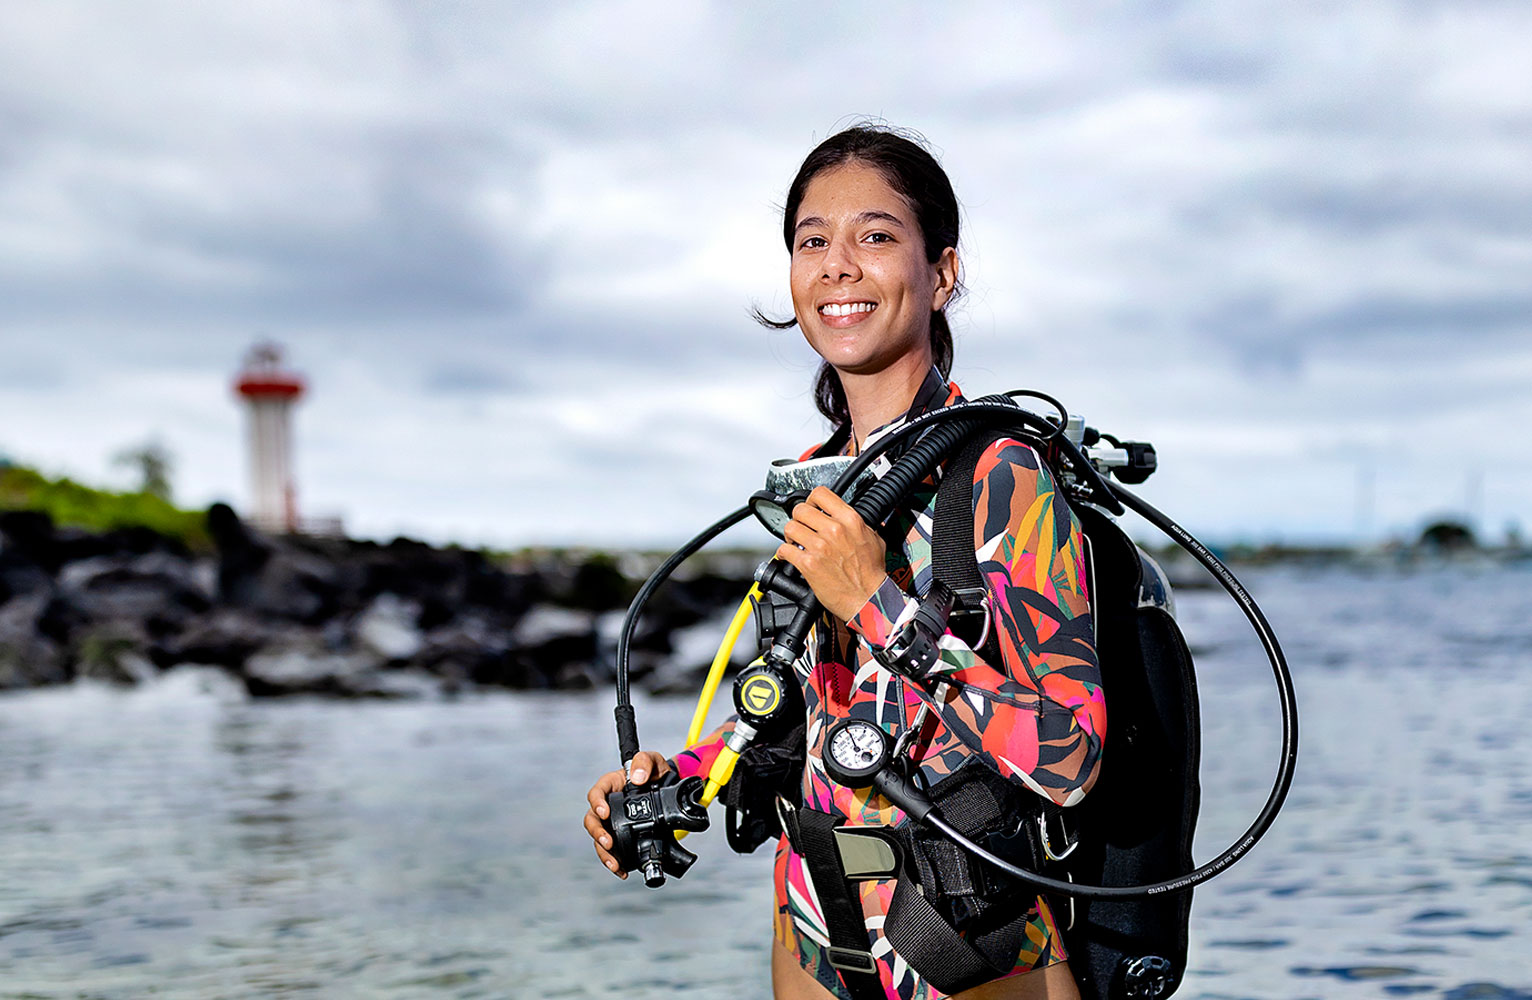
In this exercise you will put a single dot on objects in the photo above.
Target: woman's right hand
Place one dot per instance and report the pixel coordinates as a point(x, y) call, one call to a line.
point(646, 766)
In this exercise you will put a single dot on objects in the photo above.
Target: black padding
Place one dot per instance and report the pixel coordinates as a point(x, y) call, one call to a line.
point(1137, 823)
point(924, 939)
point(763, 772)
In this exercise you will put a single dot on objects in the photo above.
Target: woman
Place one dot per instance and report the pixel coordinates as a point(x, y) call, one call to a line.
point(871, 224)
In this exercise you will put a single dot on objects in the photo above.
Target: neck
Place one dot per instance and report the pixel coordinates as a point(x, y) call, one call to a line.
point(876, 398)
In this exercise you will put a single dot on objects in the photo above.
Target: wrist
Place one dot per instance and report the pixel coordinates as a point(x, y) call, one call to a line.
point(882, 614)
point(853, 606)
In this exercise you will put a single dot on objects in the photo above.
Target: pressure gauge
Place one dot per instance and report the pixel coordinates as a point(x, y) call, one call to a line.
point(854, 751)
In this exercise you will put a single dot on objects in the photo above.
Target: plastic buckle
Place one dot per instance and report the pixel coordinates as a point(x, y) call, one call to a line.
point(1048, 852)
point(852, 960)
point(865, 854)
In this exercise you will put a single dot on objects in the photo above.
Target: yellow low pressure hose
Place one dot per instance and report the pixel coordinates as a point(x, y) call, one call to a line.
point(722, 771)
point(720, 663)
point(723, 765)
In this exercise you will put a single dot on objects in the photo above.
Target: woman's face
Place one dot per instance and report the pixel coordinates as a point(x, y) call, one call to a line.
point(863, 290)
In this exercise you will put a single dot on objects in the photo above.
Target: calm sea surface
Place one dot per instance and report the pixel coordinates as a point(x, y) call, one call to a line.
point(180, 841)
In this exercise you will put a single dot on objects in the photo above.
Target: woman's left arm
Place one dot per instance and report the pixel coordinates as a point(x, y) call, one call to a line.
point(1039, 715)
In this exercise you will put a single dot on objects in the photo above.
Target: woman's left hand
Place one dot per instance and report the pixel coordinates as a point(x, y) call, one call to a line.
point(839, 556)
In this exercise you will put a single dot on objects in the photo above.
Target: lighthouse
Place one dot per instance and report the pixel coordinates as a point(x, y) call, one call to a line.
point(269, 391)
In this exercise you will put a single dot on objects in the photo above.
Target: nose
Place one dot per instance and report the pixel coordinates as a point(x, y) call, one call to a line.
point(840, 262)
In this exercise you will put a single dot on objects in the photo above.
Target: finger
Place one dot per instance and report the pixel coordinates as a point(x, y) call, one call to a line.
point(608, 783)
point(597, 831)
point(643, 767)
point(834, 531)
point(792, 555)
point(826, 499)
point(801, 535)
point(610, 863)
point(811, 515)
point(837, 511)
point(646, 765)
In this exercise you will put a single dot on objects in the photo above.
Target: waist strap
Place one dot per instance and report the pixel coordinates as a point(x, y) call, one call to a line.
point(837, 855)
point(813, 836)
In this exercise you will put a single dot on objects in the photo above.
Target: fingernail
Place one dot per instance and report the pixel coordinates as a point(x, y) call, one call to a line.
point(612, 865)
point(601, 811)
point(606, 841)
point(640, 776)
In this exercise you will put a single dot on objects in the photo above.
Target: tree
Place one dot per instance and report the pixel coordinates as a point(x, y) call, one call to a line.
point(153, 462)
point(1448, 536)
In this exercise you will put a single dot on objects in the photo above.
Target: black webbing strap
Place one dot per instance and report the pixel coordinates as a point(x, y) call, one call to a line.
point(814, 839)
point(953, 561)
point(980, 804)
point(924, 939)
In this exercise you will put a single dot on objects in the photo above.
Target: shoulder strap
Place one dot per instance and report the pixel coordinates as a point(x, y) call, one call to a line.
point(953, 560)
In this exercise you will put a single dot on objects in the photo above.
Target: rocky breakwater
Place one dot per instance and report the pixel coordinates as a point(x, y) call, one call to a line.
point(342, 617)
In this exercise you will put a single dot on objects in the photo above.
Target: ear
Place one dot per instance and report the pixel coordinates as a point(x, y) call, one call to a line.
point(946, 268)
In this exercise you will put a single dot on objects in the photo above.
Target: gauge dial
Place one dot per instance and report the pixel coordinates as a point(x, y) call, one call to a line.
point(855, 750)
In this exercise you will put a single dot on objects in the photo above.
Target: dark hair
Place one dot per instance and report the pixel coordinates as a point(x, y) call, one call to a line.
point(913, 172)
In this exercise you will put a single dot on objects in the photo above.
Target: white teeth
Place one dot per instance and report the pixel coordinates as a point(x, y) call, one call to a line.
point(845, 309)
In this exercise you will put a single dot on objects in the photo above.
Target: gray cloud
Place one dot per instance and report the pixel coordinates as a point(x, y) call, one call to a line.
point(1204, 220)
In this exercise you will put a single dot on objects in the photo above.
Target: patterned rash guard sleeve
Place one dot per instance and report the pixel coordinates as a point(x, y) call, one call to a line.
point(1039, 716)
point(698, 758)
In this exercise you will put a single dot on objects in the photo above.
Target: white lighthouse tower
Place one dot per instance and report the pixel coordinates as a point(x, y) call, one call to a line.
point(269, 391)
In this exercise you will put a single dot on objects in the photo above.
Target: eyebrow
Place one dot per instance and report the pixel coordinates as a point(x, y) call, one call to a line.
point(860, 219)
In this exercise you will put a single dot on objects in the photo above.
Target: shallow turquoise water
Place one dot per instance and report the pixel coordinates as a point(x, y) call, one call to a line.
point(180, 841)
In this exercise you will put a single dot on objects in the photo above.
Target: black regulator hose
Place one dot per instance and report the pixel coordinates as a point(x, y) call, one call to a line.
point(627, 726)
point(985, 411)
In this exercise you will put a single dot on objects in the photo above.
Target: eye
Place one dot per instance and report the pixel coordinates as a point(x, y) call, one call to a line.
point(879, 237)
point(813, 243)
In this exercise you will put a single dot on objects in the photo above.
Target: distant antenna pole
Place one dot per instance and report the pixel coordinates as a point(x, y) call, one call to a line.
point(269, 391)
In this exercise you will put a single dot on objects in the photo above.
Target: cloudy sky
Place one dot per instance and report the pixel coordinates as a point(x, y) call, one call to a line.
point(513, 247)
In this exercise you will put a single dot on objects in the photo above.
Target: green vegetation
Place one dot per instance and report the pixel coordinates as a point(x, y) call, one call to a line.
point(69, 503)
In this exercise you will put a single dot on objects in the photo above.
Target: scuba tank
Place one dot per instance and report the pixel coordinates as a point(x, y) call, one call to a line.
point(1119, 864)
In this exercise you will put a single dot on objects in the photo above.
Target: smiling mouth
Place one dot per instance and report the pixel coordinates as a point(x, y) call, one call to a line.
point(846, 308)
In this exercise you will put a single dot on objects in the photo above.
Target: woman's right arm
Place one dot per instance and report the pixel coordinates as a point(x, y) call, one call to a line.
point(698, 758)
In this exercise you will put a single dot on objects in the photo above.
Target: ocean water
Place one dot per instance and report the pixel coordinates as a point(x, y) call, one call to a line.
point(178, 840)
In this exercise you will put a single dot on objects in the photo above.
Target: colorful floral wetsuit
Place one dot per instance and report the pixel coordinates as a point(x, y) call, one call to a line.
point(1038, 717)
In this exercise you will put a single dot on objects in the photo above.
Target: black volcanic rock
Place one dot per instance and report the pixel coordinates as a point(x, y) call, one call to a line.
point(28, 656)
point(330, 616)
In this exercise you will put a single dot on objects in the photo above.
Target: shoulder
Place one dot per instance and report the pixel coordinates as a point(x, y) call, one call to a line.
point(1006, 457)
point(1004, 468)
point(1013, 491)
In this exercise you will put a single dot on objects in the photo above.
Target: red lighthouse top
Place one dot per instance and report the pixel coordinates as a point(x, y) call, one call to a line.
point(263, 376)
